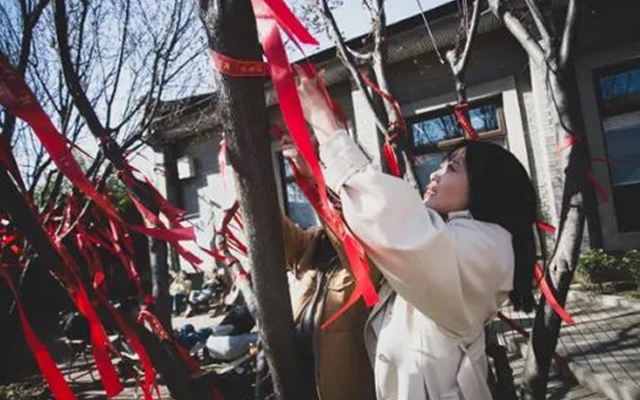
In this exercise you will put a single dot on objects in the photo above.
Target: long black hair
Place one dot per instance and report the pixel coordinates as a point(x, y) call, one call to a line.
point(501, 192)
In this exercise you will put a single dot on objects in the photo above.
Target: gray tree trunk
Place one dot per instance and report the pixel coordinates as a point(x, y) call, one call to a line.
point(231, 30)
point(577, 199)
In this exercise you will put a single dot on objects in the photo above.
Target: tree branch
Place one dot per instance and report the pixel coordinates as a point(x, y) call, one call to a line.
point(528, 43)
point(71, 77)
point(459, 62)
point(350, 63)
point(568, 36)
point(538, 19)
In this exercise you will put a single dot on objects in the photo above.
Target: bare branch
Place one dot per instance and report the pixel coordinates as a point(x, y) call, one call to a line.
point(364, 57)
point(568, 36)
point(71, 77)
point(120, 63)
point(527, 41)
point(538, 19)
point(459, 62)
point(350, 63)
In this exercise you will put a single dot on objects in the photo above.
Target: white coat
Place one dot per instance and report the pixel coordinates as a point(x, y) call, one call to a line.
point(445, 280)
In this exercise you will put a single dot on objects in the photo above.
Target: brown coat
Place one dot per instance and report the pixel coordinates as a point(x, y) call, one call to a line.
point(343, 370)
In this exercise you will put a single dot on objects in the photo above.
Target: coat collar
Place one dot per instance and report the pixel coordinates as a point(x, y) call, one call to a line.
point(459, 214)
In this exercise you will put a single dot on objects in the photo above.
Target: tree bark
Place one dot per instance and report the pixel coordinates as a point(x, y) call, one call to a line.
point(578, 198)
point(160, 281)
point(231, 31)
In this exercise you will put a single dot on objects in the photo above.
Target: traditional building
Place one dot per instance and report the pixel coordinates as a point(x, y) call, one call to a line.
point(506, 107)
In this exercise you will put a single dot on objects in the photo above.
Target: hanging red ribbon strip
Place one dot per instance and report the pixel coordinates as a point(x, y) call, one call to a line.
point(133, 340)
point(548, 294)
point(391, 158)
point(461, 111)
point(58, 386)
point(267, 13)
point(193, 366)
point(20, 101)
point(100, 343)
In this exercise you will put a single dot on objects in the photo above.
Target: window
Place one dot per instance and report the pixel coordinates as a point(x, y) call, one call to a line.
point(618, 90)
point(295, 203)
point(435, 133)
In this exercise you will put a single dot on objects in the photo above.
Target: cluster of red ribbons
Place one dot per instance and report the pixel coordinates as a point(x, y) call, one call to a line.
point(109, 232)
point(270, 15)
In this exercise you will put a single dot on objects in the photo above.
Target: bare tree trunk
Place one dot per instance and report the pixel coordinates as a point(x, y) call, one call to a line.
point(160, 281)
point(231, 30)
point(577, 198)
point(550, 49)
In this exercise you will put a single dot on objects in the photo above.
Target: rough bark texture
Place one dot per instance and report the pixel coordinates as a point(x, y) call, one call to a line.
point(549, 45)
point(231, 30)
point(577, 200)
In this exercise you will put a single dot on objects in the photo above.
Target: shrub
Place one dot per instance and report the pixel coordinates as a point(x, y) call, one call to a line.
point(24, 391)
point(596, 266)
point(631, 263)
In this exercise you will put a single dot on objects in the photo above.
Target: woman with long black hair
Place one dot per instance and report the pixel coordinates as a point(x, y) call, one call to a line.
point(449, 260)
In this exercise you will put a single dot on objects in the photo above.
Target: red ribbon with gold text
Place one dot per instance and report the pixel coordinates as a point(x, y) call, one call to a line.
point(270, 14)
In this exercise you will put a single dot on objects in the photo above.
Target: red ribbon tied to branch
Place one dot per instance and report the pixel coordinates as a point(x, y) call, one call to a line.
point(20, 101)
point(270, 14)
point(461, 111)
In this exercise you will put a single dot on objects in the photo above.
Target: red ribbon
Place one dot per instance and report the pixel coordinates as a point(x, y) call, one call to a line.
point(132, 338)
point(239, 68)
point(222, 158)
point(400, 127)
point(546, 227)
point(193, 366)
point(391, 158)
point(20, 101)
point(460, 111)
point(267, 13)
point(598, 186)
point(99, 343)
point(59, 387)
point(548, 294)
point(567, 142)
point(572, 140)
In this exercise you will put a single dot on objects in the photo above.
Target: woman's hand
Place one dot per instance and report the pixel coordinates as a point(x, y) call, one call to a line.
point(317, 110)
point(290, 153)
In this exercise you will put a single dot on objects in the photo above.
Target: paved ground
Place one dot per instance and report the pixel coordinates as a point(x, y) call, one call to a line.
point(603, 346)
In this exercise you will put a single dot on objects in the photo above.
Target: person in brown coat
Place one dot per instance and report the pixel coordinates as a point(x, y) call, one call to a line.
point(342, 370)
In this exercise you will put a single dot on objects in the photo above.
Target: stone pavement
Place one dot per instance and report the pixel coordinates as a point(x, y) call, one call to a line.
point(602, 348)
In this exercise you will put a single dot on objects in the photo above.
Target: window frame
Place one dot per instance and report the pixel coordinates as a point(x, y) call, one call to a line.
point(630, 106)
point(444, 145)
